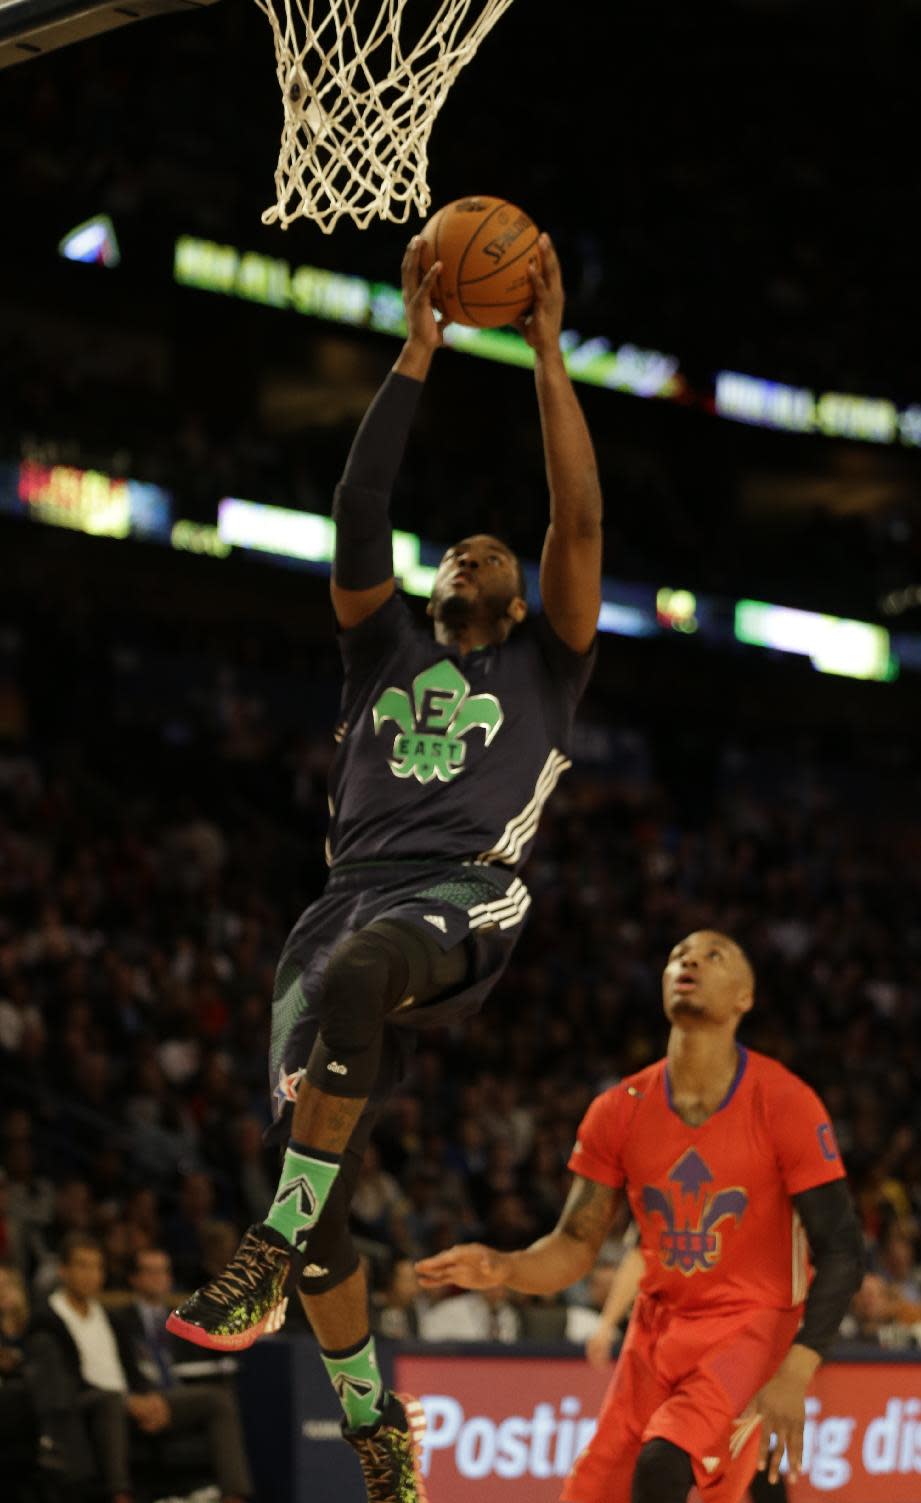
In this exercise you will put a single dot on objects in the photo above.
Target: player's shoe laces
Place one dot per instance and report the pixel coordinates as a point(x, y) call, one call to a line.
point(244, 1302)
point(390, 1452)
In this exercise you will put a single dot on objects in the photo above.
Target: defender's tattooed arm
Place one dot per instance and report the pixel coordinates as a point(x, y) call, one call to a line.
point(553, 1262)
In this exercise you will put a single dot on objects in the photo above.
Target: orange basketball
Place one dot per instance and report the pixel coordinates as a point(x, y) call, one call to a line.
point(484, 246)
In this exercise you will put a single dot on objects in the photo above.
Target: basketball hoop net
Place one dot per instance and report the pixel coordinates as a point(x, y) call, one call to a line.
point(359, 109)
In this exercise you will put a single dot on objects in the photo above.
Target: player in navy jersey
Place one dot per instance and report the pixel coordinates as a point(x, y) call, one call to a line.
point(449, 744)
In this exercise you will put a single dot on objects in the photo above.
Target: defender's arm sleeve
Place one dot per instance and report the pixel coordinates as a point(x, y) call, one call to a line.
point(361, 506)
point(599, 1144)
point(836, 1245)
point(813, 1175)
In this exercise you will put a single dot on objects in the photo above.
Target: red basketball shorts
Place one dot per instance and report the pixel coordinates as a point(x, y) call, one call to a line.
point(687, 1379)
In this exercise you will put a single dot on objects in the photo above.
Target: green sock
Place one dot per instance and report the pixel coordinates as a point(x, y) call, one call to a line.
point(306, 1179)
point(356, 1378)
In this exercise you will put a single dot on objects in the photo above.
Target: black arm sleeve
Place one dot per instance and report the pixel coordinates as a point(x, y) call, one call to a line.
point(833, 1232)
point(364, 555)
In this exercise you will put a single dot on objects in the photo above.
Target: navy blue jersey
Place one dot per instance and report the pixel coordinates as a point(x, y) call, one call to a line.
point(444, 755)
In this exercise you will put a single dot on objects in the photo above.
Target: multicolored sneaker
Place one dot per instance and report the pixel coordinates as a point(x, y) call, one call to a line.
point(244, 1302)
point(390, 1452)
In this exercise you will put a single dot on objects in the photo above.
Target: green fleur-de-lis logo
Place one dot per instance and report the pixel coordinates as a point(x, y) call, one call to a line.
point(430, 727)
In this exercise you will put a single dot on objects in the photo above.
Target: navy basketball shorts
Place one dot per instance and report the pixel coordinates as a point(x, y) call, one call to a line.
point(479, 907)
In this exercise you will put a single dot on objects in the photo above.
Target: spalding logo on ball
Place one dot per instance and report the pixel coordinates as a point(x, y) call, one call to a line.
point(484, 246)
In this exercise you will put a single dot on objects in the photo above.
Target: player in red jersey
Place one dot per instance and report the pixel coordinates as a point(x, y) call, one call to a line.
point(750, 1241)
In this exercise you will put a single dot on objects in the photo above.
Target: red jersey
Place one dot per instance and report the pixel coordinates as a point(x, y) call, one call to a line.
point(713, 1203)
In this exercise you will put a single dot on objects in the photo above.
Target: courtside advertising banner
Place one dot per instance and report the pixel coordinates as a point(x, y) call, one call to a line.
point(506, 1429)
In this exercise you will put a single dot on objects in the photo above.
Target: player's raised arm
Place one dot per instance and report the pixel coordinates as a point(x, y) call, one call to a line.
point(570, 567)
point(362, 578)
point(553, 1262)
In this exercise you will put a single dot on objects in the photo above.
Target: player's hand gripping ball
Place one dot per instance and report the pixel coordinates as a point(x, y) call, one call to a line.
point(484, 246)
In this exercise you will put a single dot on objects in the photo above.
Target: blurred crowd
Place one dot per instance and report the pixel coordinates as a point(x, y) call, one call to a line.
point(162, 810)
point(161, 829)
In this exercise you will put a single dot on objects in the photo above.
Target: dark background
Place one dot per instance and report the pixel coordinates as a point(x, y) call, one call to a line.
point(735, 184)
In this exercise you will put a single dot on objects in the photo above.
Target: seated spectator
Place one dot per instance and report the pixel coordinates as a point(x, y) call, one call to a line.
point(898, 1265)
point(879, 1313)
point(543, 1318)
point(399, 1308)
point(73, 1346)
point(476, 1315)
point(149, 1358)
point(90, 1377)
point(18, 1424)
point(583, 1319)
point(377, 1197)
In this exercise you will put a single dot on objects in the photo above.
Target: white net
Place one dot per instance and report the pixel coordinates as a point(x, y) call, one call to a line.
point(361, 92)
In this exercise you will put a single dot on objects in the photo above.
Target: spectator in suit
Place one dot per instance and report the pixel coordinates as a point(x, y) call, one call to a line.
point(149, 1357)
point(488, 1316)
point(92, 1380)
point(74, 1344)
point(398, 1310)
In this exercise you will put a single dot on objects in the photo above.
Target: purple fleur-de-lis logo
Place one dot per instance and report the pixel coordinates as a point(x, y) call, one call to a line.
point(689, 1240)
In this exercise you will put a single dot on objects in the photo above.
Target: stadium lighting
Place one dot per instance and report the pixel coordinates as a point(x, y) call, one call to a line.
point(853, 649)
point(378, 306)
point(93, 242)
point(100, 505)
